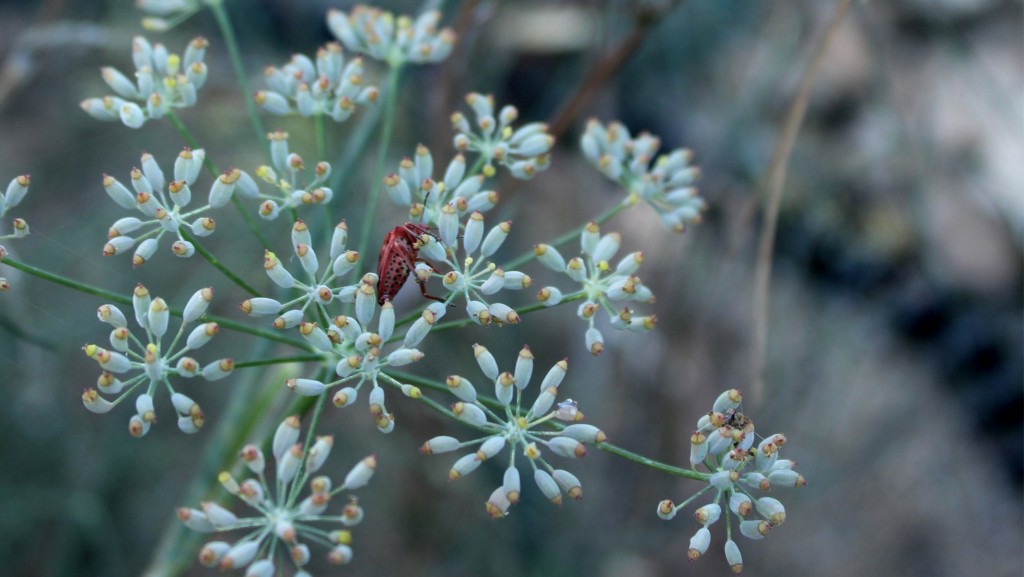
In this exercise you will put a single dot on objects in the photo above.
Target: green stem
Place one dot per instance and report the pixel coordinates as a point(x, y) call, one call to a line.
point(224, 23)
point(648, 462)
point(394, 74)
point(321, 136)
point(478, 164)
point(127, 301)
point(69, 283)
point(495, 405)
point(600, 219)
point(215, 173)
point(218, 265)
point(192, 141)
point(354, 152)
point(322, 154)
point(425, 400)
point(280, 361)
point(275, 336)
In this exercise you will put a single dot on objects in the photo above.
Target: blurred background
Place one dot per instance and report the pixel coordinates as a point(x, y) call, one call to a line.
point(894, 349)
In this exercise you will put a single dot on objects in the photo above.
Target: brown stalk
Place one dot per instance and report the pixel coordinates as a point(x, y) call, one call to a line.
point(605, 69)
point(774, 180)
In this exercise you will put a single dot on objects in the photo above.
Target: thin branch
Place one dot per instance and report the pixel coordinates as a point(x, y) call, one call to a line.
point(606, 68)
point(774, 180)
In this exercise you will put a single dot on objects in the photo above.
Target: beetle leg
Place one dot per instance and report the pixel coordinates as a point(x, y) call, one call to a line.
point(411, 263)
point(423, 284)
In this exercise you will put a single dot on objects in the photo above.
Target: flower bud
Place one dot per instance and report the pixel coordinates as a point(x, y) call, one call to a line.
point(547, 485)
point(195, 520)
point(699, 544)
point(771, 509)
point(318, 453)
point(606, 248)
point(197, 305)
point(510, 484)
point(494, 239)
point(461, 388)
point(440, 444)
point(360, 474)
point(345, 397)
point(465, 465)
point(667, 509)
point(474, 232)
point(306, 387)
point(469, 413)
point(568, 483)
point(589, 237)
point(218, 369)
point(240, 555)
point(486, 361)
point(566, 447)
point(754, 529)
point(585, 433)
point(733, 557)
point(708, 514)
point(262, 306)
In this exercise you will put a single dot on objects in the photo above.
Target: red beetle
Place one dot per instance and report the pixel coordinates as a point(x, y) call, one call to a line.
point(398, 257)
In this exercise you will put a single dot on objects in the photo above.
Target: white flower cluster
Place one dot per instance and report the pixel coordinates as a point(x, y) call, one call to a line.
point(473, 277)
point(516, 427)
point(326, 86)
point(415, 187)
point(454, 206)
point(351, 349)
point(393, 39)
point(318, 291)
point(665, 183)
point(166, 212)
point(282, 522)
point(284, 177)
point(525, 151)
point(16, 191)
point(724, 444)
point(164, 80)
point(153, 365)
point(356, 354)
point(601, 284)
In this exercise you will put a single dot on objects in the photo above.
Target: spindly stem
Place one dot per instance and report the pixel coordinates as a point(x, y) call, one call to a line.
point(355, 150)
point(215, 173)
point(394, 74)
point(265, 334)
point(127, 301)
point(775, 179)
point(321, 136)
point(322, 154)
point(495, 405)
point(279, 361)
point(605, 68)
point(218, 265)
point(429, 402)
point(192, 141)
point(224, 23)
point(67, 282)
point(648, 462)
point(478, 164)
point(600, 219)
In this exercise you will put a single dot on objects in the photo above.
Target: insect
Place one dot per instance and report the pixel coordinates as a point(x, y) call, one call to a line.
point(398, 257)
